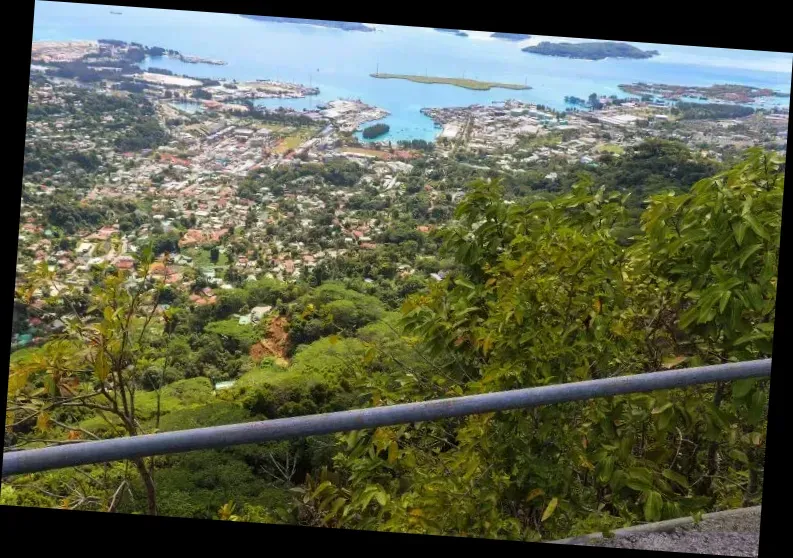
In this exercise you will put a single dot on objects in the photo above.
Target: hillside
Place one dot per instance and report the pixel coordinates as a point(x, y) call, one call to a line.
point(334, 342)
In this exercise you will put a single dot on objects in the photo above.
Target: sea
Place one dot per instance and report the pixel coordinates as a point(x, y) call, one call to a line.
point(340, 63)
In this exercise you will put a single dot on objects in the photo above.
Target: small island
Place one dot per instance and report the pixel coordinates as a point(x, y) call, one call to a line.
point(510, 36)
point(730, 93)
point(343, 25)
point(375, 131)
point(459, 82)
point(457, 32)
point(590, 51)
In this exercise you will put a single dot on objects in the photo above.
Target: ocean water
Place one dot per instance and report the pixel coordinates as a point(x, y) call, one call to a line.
point(340, 62)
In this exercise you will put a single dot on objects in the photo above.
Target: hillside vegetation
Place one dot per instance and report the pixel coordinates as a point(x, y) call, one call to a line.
point(541, 289)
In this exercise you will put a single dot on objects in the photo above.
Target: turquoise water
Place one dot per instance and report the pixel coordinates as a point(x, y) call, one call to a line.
point(340, 62)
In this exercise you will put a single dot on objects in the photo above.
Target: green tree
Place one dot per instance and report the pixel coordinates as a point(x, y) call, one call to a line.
point(96, 366)
point(544, 293)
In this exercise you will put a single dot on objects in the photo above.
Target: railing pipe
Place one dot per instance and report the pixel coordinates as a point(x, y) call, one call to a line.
point(56, 457)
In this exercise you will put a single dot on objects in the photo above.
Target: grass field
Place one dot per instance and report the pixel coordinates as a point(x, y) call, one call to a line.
point(363, 151)
point(273, 375)
point(458, 82)
point(290, 142)
point(294, 138)
point(201, 258)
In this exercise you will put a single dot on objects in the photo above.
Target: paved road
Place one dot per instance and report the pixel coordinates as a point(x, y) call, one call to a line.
point(734, 535)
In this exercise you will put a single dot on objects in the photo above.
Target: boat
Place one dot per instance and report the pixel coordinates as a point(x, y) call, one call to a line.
point(115, 13)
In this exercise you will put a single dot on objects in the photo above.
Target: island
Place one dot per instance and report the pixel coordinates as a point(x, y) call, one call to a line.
point(375, 131)
point(343, 25)
point(457, 32)
point(730, 93)
point(590, 51)
point(510, 36)
point(459, 82)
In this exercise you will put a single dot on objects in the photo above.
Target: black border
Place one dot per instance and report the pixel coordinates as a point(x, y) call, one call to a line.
point(689, 24)
point(681, 25)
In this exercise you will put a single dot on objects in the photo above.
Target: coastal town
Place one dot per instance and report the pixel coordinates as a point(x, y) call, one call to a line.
point(195, 179)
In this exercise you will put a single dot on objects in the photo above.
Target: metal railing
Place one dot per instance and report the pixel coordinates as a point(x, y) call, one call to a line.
point(56, 457)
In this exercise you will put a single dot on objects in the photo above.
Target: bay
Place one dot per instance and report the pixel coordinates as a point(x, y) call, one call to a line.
point(340, 62)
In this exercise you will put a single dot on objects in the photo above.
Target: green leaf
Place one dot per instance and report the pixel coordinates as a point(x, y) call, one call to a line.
point(638, 484)
point(333, 339)
point(606, 468)
point(653, 506)
point(719, 417)
point(393, 448)
point(101, 366)
point(754, 336)
point(756, 226)
point(741, 388)
point(725, 298)
point(747, 253)
point(672, 361)
point(321, 488)
point(381, 497)
point(49, 384)
point(675, 477)
point(335, 507)
point(689, 317)
point(464, 283)
point(662, 408)
point(665, 419)
point(550, 509)
point(757, 407)
point(739, 231)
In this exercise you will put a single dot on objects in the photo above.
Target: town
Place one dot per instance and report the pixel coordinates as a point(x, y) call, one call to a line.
point(193, 189)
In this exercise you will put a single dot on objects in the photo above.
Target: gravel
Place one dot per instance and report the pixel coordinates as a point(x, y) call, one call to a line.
point(734, 535)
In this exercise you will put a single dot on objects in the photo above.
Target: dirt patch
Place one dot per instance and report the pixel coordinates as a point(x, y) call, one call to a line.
point(274, 342)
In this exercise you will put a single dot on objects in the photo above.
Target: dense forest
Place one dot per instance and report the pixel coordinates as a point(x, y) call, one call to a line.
point(703, 111)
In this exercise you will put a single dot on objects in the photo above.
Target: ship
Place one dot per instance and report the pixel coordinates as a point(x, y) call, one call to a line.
point(115, 13)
